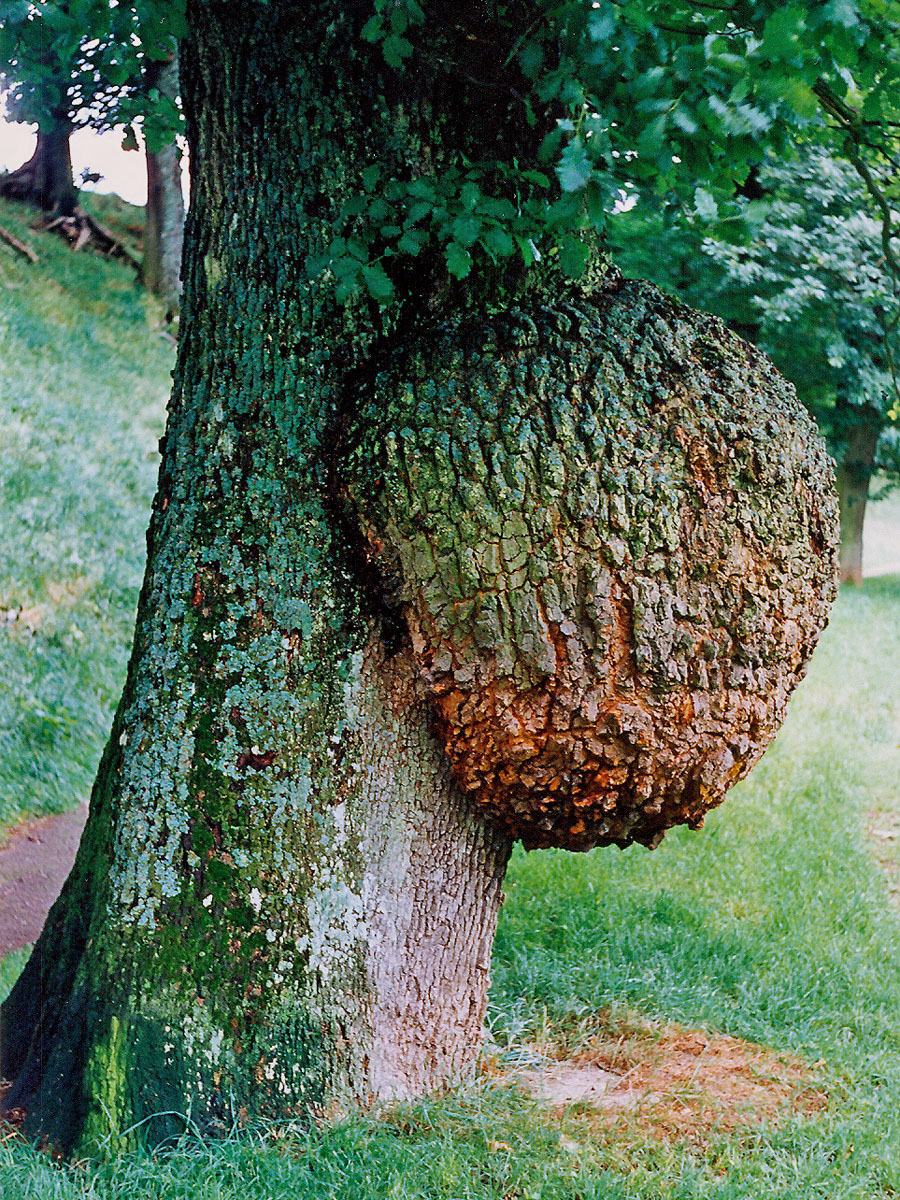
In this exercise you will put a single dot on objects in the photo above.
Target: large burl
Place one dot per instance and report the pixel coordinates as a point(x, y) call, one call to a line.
point(611, 530)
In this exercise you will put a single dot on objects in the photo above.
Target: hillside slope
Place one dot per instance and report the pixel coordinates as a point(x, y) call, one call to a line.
point(84, 378)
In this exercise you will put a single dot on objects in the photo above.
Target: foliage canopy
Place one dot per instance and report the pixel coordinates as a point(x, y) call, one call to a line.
point(677, 97)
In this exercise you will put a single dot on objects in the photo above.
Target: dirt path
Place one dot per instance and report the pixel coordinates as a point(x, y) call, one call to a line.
point(34, 863)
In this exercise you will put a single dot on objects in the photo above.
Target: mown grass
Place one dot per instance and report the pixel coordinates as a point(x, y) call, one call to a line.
point(84, 376)
point(773, 923)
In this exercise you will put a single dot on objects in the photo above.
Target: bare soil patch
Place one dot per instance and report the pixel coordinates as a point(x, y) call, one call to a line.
point(883, 829)
point(34, 863)
point(670, 1083)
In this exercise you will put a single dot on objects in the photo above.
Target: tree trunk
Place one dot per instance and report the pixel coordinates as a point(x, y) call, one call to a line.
point(281, 900)
point(164, 228)
point(854, 474)
point(285, 898)
point(45, 181)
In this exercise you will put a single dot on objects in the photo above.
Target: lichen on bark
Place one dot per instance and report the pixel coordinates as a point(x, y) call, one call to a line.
point(611, 529)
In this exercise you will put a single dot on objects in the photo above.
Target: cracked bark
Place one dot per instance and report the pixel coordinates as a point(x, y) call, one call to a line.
point(385, 556)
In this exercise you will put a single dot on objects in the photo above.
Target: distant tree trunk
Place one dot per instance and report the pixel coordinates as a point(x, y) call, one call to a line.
point(164, 229)
point(45, 180)
point(854, 474)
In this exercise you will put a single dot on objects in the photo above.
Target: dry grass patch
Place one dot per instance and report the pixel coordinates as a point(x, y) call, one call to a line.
point(62, 597)
point(669, 1083)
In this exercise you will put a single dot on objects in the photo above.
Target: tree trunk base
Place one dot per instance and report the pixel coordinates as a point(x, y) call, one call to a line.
point(45, 180)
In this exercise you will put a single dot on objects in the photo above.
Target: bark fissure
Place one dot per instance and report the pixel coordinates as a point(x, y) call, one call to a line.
point(229, 959)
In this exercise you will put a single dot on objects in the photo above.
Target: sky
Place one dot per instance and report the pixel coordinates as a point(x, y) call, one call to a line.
point(123, 171)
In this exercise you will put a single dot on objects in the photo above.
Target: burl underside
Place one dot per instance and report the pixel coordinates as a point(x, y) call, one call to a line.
point(611, 531)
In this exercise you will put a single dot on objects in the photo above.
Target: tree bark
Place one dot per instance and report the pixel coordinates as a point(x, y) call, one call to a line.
point(282, 900)
point(854, 474)
point(45, 180)
point(288, 886)
point(164, 228)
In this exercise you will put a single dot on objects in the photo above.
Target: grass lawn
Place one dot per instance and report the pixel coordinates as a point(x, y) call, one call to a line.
point(776, 923)
point(84, 378)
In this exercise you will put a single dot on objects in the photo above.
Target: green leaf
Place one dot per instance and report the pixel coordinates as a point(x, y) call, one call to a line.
point(315, 265)
point(14, 11)
point(531, 59)
point(346, 290)
point(370, 176)
point(395, 49)
point(573, 257)
point(497, 207)
point(684, 121)
point(705, 205)
point(781, 33)
point(574, 167)
point(373, 29)
point(528, 250)
point(602, 23)
point(399, 20)
point(377, 282)
point(470, 195)
point(842, 12)
point(497, 242)
point(465, 230)
point(650, 139)
point(459, 260)
point(422, 208)
point(412, 241)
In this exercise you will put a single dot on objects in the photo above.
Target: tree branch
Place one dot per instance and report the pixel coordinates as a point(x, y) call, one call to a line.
point(24, 250)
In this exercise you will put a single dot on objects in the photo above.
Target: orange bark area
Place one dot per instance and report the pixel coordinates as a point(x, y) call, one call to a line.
point(602, 770)
point(614, 548)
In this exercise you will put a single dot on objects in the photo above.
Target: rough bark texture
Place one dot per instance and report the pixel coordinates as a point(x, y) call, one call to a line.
point(611, 529)
point(45, 181)
point(164, 228)
point(285, 896)
point(854, 474)
point(282, 900)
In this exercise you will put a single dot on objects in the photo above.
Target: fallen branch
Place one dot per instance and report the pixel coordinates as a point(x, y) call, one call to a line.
point(81, 229)
point(10, 240)
point(117, 247)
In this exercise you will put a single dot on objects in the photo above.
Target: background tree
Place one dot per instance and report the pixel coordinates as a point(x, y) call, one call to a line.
point(812, 288)
point(164, 228)
point(64, 65)
point(98, 63)
point(459, 538)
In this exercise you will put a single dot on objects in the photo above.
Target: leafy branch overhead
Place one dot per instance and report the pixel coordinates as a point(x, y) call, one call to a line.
point(82, 61)
point(678, 99)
